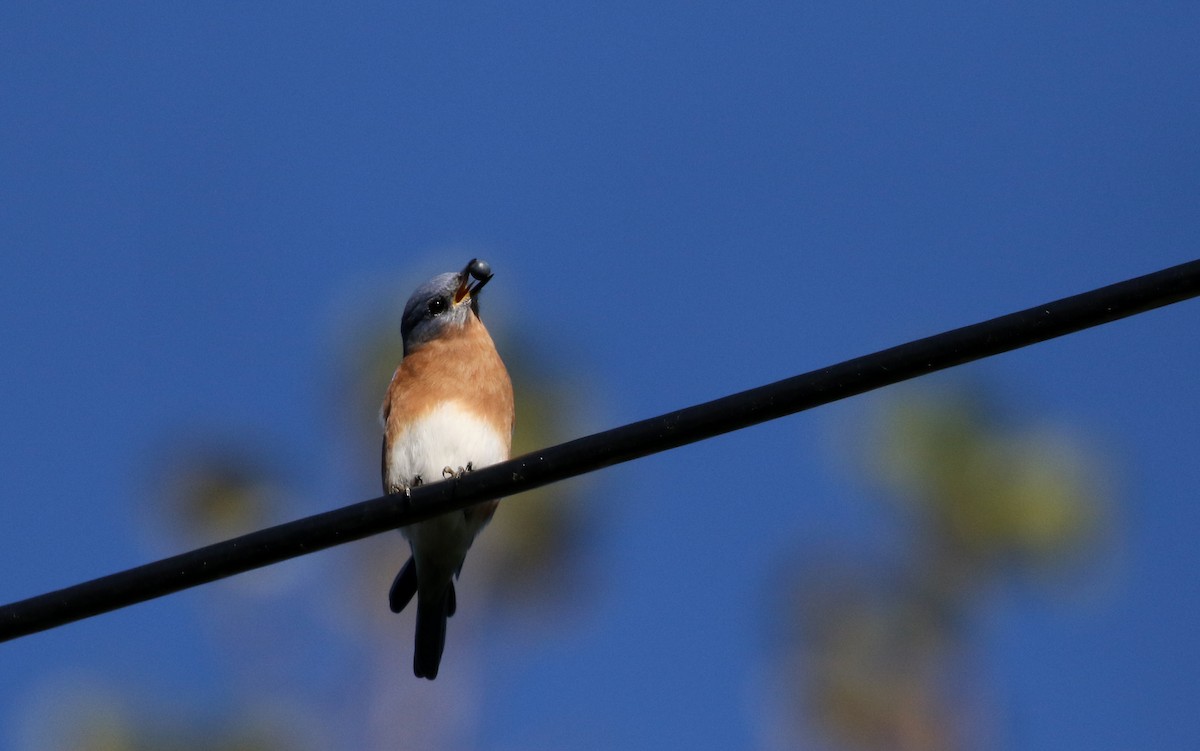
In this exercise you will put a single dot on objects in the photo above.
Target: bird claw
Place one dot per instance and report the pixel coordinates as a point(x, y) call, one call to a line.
point(405, 488)
point(448, 472)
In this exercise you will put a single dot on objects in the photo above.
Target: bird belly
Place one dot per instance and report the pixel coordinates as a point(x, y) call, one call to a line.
point(447, 436)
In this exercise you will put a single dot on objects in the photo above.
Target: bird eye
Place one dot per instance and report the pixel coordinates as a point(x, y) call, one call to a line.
point(437, 306)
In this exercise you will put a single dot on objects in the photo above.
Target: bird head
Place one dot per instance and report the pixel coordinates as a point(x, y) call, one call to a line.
point(443, 303)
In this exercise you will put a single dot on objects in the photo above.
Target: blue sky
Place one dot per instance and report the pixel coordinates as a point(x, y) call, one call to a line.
point(679, 200)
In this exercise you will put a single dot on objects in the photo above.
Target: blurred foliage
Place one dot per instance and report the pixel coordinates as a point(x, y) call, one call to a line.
point(537, 535)
point(216, 489)
point(130, 734)
point(90, 717)
point(878, 650)
point(1027, 497)
point(875, 666)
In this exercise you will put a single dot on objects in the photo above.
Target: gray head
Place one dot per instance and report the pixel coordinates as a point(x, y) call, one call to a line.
point(445, 301)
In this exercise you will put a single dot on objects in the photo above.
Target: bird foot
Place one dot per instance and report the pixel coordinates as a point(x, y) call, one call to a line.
point(448, 472)
point(406, 488)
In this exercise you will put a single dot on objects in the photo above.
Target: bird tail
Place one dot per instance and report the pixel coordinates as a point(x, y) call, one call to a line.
point(434, 606)
point(404, 586)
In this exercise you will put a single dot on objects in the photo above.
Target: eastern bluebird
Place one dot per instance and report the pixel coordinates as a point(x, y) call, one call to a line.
point(448, 410)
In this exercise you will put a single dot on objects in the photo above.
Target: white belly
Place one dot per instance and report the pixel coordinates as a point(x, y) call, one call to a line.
point(448, 436)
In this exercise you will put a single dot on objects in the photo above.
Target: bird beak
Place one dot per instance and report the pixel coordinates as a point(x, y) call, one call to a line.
point(478, 270)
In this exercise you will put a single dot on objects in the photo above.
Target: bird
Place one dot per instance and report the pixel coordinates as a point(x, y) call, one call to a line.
point(448, 410)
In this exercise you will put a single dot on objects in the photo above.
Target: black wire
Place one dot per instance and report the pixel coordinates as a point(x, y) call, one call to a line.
point(604, 449)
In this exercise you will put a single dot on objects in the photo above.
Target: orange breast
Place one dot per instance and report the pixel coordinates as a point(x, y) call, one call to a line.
point(461, 366)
